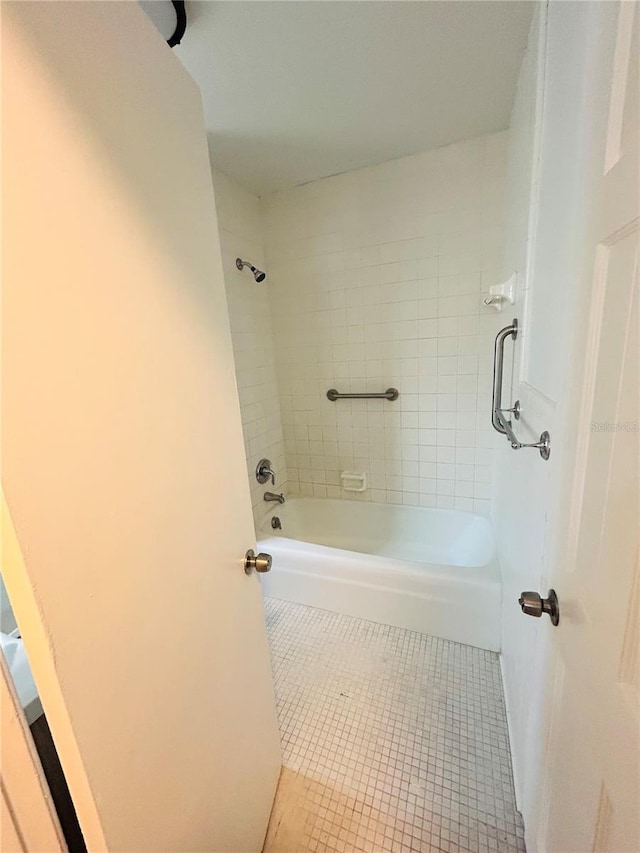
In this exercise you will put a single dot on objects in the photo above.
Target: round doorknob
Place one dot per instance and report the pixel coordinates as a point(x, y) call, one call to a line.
point(533, 604)
point(256, 562)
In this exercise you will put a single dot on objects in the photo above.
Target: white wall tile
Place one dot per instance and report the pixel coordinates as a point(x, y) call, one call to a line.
point(376, 280)
point(240, 225)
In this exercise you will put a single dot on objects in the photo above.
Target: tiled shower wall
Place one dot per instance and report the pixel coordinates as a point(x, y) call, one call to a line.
point(376, 279)
point(239, 223)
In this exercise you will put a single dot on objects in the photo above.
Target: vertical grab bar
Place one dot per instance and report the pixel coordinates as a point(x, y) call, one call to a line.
point(498, 419)
point(498, 367)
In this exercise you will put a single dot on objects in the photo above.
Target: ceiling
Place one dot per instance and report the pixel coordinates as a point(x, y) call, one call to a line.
point(295, 91)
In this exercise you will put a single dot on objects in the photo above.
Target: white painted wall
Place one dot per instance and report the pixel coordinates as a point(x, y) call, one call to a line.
point(240, 226)
point(295, 92)
point(375, 280)
point(545, 222)
point(518, 504)
point(7, 619)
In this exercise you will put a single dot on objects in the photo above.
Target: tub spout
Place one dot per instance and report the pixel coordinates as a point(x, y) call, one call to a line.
point(270, 496)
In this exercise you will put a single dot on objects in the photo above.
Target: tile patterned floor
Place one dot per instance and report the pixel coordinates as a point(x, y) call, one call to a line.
point(392, 740)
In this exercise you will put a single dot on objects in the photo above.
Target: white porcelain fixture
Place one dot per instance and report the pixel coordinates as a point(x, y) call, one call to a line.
point(502, 294)
point(351, 481)
point(16, 658)
point(428, 570)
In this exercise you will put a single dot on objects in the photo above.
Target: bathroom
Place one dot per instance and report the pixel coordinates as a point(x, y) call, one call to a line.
point(399, 305)
point(410, 314)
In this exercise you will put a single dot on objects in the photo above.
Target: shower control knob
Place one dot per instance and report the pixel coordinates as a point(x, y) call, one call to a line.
point(533, 604)
point(264, 472)
point(256, 562)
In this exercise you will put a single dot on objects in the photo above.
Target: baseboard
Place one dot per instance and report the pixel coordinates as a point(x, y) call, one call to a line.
point(514, 763)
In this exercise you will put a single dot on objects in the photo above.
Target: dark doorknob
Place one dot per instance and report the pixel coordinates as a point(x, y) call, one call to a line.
point(534, 605)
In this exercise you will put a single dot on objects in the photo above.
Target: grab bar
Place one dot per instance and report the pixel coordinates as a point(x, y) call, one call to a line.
point(498, 366)
point(389, 394)
point(498, 419)
point(543, 445)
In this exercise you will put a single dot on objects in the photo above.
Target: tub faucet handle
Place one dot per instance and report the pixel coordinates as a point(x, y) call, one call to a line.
point(265, 472)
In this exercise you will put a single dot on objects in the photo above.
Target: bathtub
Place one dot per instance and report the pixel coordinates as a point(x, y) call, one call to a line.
point(428, 570)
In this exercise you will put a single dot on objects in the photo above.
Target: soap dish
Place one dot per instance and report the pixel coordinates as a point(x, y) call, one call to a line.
point(353, 481)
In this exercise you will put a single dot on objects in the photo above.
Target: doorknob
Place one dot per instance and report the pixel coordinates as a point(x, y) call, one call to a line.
point(533, 605)
point(256, 562)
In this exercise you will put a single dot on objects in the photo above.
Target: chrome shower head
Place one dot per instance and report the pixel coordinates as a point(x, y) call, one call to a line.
point(257, 274)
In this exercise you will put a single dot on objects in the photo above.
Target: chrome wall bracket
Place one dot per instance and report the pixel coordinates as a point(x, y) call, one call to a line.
point(514, 410)
point(543, 444)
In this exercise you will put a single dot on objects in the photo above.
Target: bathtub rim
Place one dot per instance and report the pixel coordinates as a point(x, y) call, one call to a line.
point(264, 532)
point(355, 561)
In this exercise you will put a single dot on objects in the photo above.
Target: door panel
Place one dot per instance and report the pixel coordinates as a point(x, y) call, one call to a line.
point(123, 463)
point(592, 788)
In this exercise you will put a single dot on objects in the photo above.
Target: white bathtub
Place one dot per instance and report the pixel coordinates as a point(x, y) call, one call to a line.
point(428, 570)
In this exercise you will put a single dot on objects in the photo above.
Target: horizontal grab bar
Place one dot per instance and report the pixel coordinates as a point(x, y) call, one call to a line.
point(389, 394)
point(543, 445)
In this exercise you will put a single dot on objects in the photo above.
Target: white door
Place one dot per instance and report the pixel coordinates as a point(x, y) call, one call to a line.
point(592, 788)
point(123, 464)
point(27, 818)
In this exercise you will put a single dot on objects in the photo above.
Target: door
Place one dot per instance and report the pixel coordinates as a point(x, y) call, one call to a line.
point(123, 464)
point(27, 818)
point(592, 787)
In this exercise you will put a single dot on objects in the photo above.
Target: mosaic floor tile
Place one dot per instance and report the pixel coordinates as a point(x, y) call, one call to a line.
point(392, 740)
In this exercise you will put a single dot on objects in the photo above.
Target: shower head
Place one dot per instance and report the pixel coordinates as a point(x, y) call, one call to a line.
point(257, 274)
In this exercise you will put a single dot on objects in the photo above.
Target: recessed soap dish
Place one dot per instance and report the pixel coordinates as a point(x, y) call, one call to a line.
point(352, 481)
